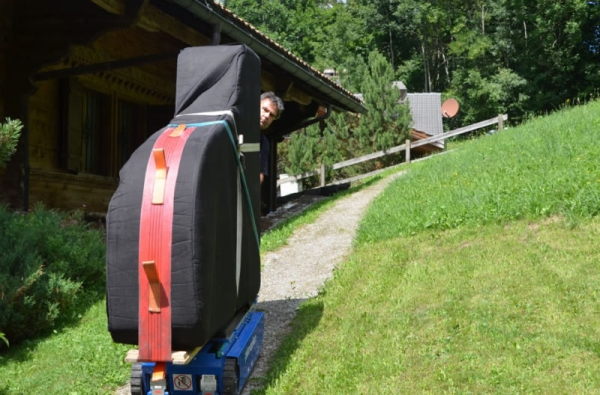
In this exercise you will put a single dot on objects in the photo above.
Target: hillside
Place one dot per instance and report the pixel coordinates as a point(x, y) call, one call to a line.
point(477, 272)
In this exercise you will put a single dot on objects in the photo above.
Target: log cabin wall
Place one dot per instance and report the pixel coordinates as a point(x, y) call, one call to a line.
point(33, 35)
point(10, 174)
point(84, 127)
point(6, 23)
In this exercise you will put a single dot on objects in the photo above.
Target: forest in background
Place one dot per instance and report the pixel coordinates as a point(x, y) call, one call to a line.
point(519, 57)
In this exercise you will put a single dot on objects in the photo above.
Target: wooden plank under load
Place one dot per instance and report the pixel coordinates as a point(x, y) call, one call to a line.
point(177, 357)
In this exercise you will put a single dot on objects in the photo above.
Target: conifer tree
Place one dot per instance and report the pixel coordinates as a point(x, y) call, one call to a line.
point(303, 151)
point(387, 122)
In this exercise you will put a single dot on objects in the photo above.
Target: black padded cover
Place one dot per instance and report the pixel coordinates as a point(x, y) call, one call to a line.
point(204, 294)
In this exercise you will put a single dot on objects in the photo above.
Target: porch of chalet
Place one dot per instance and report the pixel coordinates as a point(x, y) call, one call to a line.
point(92, 79)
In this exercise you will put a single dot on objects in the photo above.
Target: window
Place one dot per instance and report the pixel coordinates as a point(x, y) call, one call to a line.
point(131, 131)
point(101, 130)
point(96, 133)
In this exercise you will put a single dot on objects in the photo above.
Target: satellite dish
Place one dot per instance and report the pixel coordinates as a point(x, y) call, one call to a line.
point(450, 108)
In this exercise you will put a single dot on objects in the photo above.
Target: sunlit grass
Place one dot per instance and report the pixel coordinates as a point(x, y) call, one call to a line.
point(477, 272)
point(493, 309)
point(76, 360)
point(548, 166)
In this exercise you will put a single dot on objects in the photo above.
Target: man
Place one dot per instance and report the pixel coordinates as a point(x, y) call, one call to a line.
point(271, 108)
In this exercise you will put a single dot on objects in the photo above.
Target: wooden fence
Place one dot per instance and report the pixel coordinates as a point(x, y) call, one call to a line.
point(404, 147)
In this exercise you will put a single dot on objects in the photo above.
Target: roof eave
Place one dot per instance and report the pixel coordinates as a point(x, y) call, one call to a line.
point(237, 33)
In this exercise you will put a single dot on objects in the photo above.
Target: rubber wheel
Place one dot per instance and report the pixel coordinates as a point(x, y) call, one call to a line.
point(231, 377)
point(136, 382)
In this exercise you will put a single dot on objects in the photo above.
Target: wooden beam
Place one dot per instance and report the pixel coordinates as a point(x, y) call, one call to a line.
point(152, 19)
point(402, 147)
point(178, 357)
point(462, 130)
point(129, 8)
point(116, 7)
point(267, 80)
point(104, 66)
point(294, 94)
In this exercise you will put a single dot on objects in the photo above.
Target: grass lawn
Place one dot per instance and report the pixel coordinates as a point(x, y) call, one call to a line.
point(73, 361)
point(476, 272)
point(495, 309)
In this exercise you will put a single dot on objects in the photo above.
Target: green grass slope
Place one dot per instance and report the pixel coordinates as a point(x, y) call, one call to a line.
point(478, 272)
point(547, 166)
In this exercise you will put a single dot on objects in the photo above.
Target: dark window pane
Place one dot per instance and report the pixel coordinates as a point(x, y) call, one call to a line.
point(96, 133)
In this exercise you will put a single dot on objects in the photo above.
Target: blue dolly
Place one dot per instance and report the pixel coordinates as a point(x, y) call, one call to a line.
point(221, 367)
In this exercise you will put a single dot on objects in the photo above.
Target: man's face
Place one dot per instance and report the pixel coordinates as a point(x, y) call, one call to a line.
point(268, 113)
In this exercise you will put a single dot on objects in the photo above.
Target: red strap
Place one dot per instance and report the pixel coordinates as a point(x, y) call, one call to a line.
point(154, 266)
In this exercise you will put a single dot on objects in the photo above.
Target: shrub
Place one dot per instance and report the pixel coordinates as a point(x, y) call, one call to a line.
point(4, 339)
point(9, 137)
point(47, 258)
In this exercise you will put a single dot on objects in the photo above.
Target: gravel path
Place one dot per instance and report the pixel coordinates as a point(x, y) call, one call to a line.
point(298, 270)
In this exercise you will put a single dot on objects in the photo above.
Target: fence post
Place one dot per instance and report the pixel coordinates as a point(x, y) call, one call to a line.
point(500, 123)
point(407, 150)
point(322, 174)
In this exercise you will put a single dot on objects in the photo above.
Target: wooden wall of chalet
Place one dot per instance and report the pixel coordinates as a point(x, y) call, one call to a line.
point(59, 177)
point(38, 33)
point(6, 21)
point(51, 184)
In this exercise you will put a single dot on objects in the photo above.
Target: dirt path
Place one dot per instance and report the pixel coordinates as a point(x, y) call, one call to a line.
point(298, 270)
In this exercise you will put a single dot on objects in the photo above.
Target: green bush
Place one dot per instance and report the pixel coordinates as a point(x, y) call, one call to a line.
point(47, 258)
point(9, 137)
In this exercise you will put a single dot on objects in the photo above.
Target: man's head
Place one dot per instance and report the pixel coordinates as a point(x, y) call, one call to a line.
point(271, 108)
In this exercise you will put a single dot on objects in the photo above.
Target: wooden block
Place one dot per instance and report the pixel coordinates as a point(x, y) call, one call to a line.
point(178, 130)
point(177, 357)
point(160, 177)
point(184, 357)
point(154, 282)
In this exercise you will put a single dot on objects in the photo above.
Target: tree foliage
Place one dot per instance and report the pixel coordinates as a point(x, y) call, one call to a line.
point(505, 56)
point(10, 131)
point(48, 257)
point(518, 56)
point(386, 123)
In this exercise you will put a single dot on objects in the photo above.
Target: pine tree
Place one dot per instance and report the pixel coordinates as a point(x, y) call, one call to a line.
point(309, 149)
point(303, 151)
point(387, 122)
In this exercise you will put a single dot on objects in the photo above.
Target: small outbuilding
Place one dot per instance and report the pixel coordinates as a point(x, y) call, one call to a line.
point(426, 110)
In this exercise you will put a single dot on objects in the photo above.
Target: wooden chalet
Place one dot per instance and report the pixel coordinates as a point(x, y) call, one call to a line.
point(92, 79)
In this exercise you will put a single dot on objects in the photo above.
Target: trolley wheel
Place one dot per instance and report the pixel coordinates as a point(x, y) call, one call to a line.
point(136, 383)
point(231, 377)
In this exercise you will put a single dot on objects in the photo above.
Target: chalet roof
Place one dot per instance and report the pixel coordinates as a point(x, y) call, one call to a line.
point(239, 30)
point(426, 110)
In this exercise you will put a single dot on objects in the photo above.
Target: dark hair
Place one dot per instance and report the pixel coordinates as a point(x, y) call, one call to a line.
point(275, 100)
